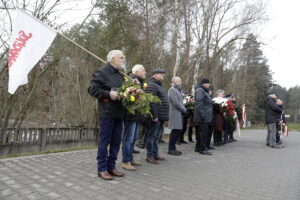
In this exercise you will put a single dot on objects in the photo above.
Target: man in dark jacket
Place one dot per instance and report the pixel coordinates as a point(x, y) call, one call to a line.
point(271, 115)
point(160, 113)
point(103, 86)
point(131, 124)
point(203, 114)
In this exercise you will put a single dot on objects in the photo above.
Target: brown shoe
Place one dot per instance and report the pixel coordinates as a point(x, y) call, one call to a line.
point(128, 166)
point(116, 173)
point(105, 175)
point(136, 163)
point(151, 160)
point(159, 158)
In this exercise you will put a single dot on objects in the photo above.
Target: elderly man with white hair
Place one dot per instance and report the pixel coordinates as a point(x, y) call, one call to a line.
point(131, 123)
point(177, 109)
point(104, 86)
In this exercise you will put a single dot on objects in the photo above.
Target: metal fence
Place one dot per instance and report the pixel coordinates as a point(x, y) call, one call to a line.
point(25, 140)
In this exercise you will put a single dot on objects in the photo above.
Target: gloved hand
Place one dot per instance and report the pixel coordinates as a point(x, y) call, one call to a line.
point(186, 114)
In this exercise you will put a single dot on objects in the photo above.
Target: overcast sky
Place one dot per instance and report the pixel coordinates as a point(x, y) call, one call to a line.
point(282, 37)
point(281, 34)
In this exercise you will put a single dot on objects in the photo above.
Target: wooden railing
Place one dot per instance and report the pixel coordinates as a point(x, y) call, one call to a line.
point(25, 140)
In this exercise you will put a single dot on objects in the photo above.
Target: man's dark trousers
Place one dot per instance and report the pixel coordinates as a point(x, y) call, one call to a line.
point(209, 135)
point(175, 133)
point(202, 134)
point(226, 131)
point(180, 137)
point(110, 134)
point(153, 135)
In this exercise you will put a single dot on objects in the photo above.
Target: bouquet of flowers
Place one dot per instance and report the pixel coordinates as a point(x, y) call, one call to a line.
point(218, 102)
point(135, 99)
point(226, 107)
point(189, 102)
point(231, 114)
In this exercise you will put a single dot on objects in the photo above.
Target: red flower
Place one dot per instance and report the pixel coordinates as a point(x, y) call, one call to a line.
point(106, 100)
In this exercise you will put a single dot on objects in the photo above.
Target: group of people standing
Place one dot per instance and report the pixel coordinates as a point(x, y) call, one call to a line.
point(117, 125)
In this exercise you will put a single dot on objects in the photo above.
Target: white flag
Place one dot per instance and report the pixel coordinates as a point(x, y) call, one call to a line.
point(29, 41)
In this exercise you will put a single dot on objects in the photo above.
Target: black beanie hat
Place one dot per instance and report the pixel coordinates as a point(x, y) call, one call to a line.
point(204, 80)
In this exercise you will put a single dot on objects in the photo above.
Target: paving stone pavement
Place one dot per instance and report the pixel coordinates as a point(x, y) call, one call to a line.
point(244, 170)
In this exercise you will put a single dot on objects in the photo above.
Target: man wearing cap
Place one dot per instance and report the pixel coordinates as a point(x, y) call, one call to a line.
point(203, 114)
point(271, 115)
point(160, 113)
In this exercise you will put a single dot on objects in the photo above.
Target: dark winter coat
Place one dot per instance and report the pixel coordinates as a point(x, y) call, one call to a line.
point(101, 84)
point(271, 110)
point(203, 111)
point(219, 122)
point(158, 110)
point(137, 116)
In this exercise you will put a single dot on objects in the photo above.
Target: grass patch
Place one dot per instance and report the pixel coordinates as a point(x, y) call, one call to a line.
point(49, 151)
point(292, 126)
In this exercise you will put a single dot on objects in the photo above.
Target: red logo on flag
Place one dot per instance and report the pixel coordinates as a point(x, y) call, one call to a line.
point(18, 45)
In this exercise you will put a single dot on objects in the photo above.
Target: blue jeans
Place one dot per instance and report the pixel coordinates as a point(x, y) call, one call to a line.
point(110, 135)
point(154, 132)
point(130, 135)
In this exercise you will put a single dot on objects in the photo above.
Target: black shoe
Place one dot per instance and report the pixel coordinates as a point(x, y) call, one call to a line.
point(211, 148)
point(178, 143)
point(276, 146)
point(197, 150)
point(191, 141)
point(216, 144)
point(183, 142)
point(267, 144)
point(136, 151)
point(205, 153)
point(179, 152)
point(173, 153)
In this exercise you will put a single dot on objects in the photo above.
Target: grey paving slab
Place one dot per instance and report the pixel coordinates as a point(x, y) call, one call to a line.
point(244, 170)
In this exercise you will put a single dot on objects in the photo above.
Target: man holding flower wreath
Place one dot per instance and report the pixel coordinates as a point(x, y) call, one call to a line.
point(131, 124)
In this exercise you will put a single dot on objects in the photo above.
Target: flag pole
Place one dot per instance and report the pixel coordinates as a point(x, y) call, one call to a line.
point(87, 51)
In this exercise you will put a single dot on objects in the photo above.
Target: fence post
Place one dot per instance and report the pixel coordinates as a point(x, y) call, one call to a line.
point(43, 140)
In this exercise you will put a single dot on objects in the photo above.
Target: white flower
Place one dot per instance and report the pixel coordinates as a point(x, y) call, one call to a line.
point(219, 100)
